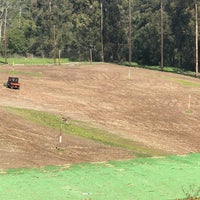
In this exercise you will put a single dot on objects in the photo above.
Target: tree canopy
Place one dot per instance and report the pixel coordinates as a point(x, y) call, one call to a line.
point(30, 29)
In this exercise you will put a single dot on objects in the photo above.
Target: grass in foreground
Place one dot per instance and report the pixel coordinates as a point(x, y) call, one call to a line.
point(172, 177)
point(84, 130)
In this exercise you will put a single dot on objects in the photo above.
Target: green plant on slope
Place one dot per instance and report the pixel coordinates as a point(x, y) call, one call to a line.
point(192, 193)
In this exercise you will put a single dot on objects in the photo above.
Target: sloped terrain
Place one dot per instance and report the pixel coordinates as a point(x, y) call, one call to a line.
point(149, 107)
point(24, 144)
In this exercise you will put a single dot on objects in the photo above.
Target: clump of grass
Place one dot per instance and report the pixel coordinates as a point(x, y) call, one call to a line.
point(192, 193)
point(133, 64)
point(183, 82)
point(84, 130)
point(187, 83)
point(189, 111)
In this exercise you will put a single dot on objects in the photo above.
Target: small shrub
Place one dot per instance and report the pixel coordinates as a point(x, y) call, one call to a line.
point(192, 193)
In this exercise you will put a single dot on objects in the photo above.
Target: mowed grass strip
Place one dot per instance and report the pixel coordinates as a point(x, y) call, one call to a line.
point(86, 131)
point(17, 72)
point(185, 82)
point(32, 61)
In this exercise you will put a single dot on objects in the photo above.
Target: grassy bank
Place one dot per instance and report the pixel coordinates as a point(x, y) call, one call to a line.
point(173, 178)
point(84, 130)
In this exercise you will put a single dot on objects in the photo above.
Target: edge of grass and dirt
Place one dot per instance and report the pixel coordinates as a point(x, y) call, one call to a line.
point(169, 69)
point(166, 177)
point(50, 61)
point(33, 61)
point(82, 129)
point(170, 177)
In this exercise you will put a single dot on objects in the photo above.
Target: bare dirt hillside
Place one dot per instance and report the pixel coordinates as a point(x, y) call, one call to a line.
point(150, 107)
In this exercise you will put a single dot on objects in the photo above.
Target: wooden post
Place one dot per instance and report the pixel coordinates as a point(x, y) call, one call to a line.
point(63, 120)
point(91, 55)
point(20, 13)
point(5, 35)
point(197, 38)
point(59, 52)
point(189, 101)
point(60, 137)
point(130, 33)
point(54, 43)
point(129, 39)
point(161, 36)
point(102, 44)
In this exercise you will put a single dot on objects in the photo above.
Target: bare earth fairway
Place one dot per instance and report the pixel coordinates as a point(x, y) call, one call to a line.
point(150, 107)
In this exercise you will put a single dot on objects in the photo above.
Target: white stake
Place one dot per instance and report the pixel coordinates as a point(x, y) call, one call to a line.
point(189, 101)
point(129, 73)
point(60, 138)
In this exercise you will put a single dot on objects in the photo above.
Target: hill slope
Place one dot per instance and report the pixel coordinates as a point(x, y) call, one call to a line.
point(150, 107)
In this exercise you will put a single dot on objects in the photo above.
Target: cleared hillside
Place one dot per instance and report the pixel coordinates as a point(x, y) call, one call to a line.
point(150, 108)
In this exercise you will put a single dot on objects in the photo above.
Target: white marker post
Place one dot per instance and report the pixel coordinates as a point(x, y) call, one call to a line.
point(63, 120)
point(189, 101)
point(129, 72)
point(60, 138)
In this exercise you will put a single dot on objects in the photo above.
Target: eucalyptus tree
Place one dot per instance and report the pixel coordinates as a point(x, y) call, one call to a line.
point(61, 11)
point(147, 33)
point(116, 17)
point(197, 39)
point(44, 16)
point(86, 20)
point(19, 21)
point(78, 28)
point(183, 30)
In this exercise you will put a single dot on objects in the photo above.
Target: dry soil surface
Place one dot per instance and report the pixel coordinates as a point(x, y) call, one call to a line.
point(159, 109)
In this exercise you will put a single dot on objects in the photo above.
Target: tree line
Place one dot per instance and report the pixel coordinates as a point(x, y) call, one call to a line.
point(73, 27)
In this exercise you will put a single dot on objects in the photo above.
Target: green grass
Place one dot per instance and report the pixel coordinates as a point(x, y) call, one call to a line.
point(32, 61)
point(187, 83)
point(171, 70)
point(135, 64)
point(84, 130)
point(166, 69)
point(172, 178)
point(183, 82)
point(175, 70)
point(17, 72)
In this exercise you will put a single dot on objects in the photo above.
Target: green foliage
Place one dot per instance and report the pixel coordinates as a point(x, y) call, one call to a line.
point(78, 27)
point(147, 36)
point(17, 42)
point(33, 61)
point(185, 82)
point(182, 28)
point(192, 193)
point(86, 28)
